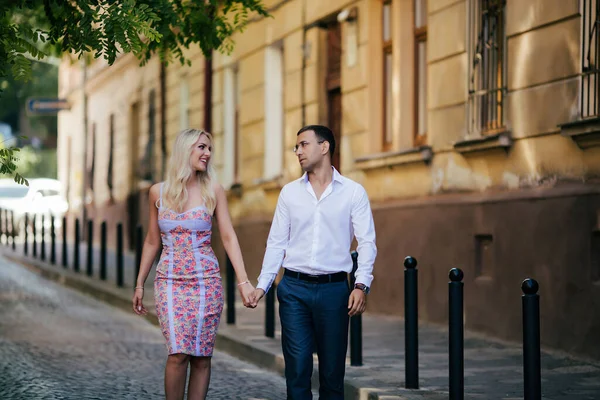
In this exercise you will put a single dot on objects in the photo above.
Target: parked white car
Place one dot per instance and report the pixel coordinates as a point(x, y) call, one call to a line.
point(42, 197)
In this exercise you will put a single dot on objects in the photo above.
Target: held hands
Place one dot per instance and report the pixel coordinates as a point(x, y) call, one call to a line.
point(247, 292)
point(138, 306)
point(257, 295)
point(357, 302)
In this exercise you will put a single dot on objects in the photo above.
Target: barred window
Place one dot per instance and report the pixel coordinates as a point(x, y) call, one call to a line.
point(487, 83)
point(589, 59)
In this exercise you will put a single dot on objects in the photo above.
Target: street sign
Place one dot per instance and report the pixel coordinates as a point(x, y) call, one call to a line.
point(45, 105)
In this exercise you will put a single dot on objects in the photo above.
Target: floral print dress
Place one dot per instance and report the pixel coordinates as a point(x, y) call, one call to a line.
point(188, 291)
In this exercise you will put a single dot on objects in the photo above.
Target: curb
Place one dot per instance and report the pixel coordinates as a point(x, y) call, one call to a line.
point(228, 339)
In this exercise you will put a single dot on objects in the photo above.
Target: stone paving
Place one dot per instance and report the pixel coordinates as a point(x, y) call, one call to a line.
point(56, 343)
point(493, 369)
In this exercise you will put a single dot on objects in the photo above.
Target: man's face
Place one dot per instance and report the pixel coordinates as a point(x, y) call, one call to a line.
point(309, 150)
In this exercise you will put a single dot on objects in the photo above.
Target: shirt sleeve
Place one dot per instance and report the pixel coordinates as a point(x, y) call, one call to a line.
point(277, 243)
point(364, 231)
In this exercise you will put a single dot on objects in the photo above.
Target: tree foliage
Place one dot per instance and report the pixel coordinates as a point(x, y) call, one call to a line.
point(33, 29)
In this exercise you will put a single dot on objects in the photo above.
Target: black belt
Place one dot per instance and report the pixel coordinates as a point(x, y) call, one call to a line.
point(325, 278)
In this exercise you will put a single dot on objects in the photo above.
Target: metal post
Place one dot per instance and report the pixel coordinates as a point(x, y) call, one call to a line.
point(230, 278)
point(34, 234)
point(4, 225)
point(76, 246)
point(12, 230)
point(65, 248)
point(531, 340)
point(43, 239)
point(270, 312)
point(52, 241)
point(90, 248)
point(26, 235)
point(456, 332)
point(3, 229)
point(120, 254)
point(103, 250)
point(411, 324)
point(139, 245)
point(355, 322)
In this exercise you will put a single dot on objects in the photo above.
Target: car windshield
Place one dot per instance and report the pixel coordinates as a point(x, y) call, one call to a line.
point(13, 192)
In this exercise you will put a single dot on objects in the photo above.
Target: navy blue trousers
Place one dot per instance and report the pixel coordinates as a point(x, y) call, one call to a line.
point(314, 315)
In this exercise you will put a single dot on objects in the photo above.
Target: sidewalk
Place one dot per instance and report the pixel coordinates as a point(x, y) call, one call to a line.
point(493, 369)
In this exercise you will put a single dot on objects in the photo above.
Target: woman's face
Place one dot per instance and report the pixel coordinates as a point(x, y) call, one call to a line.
point(201, 154)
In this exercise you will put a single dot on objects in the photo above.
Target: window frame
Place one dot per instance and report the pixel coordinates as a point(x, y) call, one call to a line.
point(589, 72)
point(420, 36)
point(387, 48)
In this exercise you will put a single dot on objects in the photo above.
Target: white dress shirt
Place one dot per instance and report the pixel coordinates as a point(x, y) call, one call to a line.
point(314, 236)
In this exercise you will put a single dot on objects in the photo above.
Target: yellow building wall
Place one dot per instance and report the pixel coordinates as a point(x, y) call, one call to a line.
point(543, 63)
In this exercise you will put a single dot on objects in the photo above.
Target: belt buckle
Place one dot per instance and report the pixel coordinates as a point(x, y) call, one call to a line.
point(313, 277)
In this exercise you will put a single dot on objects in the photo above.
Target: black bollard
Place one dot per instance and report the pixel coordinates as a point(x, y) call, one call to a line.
point(103, 250)
point(120, 254)
point(355, 322)
point(230, 278)
point(43, 239)
point(270, 312)
point(52, 241)
point(139, 245)
point(76, 246)
point(34, 234)
point(12, 230)
point(26, 235)
point(90, 249)
point(456, 332)
point(65, 249)
point(411, 324)
point(531, 340)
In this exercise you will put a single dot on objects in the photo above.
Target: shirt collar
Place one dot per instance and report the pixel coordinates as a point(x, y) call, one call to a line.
point(336, 176)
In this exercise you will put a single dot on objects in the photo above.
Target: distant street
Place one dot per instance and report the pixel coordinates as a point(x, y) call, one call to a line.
point(58, 344)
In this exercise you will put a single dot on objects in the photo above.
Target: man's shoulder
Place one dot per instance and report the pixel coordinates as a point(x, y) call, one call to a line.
point(292, 185)
point(350, 182)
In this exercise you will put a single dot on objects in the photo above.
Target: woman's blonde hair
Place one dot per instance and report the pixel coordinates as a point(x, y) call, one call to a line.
point(179, 171)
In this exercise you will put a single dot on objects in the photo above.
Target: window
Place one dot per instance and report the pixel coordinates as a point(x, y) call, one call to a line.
point(589, 59)
point(111, 149)
point(487, 83)
point(387, 75)
point(92, 159)
point(420, 72)
point(184, 105)
point(231, 99)
point(273, 157)
point(484, 258)
point(147, 167)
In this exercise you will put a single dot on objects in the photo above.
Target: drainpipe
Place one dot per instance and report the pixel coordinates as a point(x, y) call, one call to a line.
point(208, 72)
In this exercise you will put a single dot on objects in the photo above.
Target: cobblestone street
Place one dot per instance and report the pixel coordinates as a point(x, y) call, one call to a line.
point(58, 344)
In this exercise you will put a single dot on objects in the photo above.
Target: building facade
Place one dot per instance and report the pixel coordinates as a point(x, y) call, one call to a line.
point(472, 124)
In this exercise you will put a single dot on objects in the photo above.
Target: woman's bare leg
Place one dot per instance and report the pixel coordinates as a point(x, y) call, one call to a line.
point(199, 378)
point(175, 374)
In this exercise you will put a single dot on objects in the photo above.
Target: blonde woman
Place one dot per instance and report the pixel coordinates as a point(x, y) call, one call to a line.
point(187, 288)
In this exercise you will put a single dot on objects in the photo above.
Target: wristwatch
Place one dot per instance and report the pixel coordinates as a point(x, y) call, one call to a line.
point(363, 287)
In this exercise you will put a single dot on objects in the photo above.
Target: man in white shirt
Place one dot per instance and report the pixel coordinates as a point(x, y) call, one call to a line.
point(316, 219)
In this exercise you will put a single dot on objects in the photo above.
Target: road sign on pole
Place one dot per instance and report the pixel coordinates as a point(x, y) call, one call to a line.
point(45, 105)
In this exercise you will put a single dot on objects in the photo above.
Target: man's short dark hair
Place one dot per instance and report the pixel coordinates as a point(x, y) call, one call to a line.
point(322, 133)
